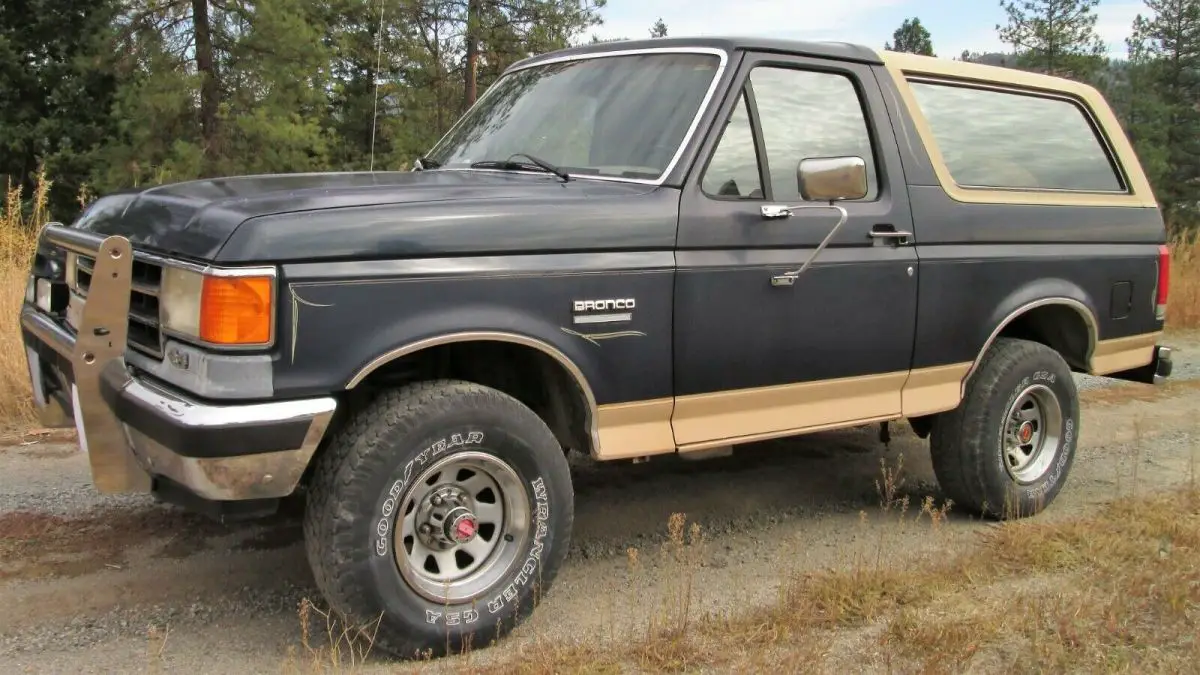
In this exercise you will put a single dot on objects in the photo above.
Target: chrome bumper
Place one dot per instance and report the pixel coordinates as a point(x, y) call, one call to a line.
point(134, 430)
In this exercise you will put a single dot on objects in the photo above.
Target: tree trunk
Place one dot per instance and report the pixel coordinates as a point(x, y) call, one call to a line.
point(471, 75)
point(210, 90)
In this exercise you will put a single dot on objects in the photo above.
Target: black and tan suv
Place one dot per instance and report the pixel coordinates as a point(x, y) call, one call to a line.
point(624, 250)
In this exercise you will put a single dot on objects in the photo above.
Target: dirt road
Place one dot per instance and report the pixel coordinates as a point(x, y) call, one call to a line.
point(102, 584)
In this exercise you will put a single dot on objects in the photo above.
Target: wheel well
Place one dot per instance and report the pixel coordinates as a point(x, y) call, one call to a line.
point(1059, 327)
point(529, 375)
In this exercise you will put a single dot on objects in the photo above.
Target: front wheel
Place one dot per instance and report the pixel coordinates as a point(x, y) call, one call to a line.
point(1005, 452)
point(443, 510)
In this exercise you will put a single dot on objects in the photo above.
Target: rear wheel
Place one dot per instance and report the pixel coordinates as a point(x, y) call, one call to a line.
point(443, 510)
point(1005, 452)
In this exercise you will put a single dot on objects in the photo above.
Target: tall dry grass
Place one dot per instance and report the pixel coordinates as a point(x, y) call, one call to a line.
point(1183, 310)
point(18, 236)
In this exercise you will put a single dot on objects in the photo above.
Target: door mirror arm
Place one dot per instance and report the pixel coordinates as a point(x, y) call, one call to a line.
point(830, 179)
point(789, 278)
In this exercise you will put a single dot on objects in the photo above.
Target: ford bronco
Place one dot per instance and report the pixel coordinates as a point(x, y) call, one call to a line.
point(623, 250)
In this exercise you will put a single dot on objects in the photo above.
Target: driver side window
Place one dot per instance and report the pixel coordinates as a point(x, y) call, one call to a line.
point(801, 114)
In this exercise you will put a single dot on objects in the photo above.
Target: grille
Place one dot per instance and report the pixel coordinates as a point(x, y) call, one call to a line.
point(145, 334)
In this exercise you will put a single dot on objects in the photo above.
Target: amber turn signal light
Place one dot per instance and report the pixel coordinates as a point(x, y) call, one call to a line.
point(236, 310)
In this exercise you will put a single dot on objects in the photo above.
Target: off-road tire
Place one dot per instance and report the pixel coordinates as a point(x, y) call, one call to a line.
point(967, 445)
point(352, 513)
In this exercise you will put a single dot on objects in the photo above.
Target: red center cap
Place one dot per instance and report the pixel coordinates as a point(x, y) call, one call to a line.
point(464, 529)
point(1026, 432)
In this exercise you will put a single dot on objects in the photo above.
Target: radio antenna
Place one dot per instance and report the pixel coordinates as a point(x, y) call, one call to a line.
point(378, 63)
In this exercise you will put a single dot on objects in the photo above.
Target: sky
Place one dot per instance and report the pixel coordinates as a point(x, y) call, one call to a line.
point(954, 25)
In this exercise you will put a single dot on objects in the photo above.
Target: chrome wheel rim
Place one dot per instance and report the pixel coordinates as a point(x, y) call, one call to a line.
point(462, 525)
point(1032, 433)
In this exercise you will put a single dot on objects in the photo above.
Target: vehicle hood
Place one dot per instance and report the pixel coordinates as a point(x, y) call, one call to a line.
point(290, 217)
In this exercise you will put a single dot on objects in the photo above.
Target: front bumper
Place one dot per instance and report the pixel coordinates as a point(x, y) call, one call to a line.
point(138, 433)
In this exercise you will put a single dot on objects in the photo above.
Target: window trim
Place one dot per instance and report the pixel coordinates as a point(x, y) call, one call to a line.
point(900, 66)
point(724, 57)
point(1098, 134)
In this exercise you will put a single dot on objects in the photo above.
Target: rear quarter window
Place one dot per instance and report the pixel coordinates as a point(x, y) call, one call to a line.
point(1014, 140)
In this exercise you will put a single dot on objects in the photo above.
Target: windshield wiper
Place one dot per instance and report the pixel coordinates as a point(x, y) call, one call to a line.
point(510, 165)
point(423, 163)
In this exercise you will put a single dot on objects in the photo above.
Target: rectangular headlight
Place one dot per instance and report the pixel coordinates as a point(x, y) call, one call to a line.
point(219, 309)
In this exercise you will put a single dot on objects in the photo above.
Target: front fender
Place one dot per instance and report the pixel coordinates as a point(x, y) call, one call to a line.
point(336, 332)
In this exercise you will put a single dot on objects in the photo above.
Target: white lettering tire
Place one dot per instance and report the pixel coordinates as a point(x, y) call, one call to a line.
point(1005, 452)
point(399, 510)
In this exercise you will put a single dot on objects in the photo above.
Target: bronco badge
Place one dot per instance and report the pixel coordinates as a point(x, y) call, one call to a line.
point(609, 310)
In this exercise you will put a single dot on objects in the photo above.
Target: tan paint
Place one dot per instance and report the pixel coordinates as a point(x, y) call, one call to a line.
point(635, 429)
point(1112, 356)
point(902, 65)
point(933, 390)
point(705, 421)
point(783, 433)
point(783, 410)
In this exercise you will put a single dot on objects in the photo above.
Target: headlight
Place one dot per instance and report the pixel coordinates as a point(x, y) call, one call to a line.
point(219, 308)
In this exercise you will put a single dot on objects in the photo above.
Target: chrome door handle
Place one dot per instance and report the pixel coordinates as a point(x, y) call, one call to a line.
point(777, 210)
point(900, 236)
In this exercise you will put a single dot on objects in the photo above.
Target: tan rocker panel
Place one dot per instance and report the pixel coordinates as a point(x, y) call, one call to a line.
point(702, 421)
point(1112, 356)
point(766, 412)
point(635, 429)
point(903, 65)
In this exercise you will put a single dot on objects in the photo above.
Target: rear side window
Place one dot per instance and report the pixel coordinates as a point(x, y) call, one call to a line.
point(1011, 140)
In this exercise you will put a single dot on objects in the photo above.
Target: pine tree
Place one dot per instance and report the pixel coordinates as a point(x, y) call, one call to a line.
point(1172, 43)
point(911, 37)
point(1057, 37)
point(57, 76)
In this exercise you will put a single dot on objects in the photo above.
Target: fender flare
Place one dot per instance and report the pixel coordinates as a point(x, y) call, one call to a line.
point(1082, 309)
point(592, 412)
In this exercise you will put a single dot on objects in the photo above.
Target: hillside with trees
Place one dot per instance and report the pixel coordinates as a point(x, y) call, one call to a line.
point(106, 94)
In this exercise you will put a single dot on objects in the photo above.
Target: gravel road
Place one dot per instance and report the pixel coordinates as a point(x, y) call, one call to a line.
point(93, 583)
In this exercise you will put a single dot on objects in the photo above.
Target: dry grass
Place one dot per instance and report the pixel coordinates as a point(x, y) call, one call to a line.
point(18, 230)
point(1118, 590)
point(1114, 592)
point(1184, 303)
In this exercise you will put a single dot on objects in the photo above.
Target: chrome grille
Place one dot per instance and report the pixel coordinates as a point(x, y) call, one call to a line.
point(145, 334)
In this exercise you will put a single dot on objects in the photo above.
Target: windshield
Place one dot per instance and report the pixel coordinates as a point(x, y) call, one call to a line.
point(621, 116)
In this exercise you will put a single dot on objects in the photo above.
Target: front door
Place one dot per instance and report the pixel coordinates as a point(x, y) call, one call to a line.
point(756, 358)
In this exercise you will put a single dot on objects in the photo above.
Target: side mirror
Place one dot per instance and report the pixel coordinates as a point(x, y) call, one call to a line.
point(831, 179)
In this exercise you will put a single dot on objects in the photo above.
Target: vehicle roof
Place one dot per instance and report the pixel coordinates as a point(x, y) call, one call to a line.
point(836, 50)
point(847, 51)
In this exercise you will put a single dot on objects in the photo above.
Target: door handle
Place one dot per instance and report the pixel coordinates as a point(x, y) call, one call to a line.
point(897, 237)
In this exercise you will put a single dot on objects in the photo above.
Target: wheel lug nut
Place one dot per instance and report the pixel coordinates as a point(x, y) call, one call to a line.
point(437, 500)
point(426, 528)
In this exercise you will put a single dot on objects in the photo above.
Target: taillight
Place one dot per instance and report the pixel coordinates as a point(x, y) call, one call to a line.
point(1164, 282)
